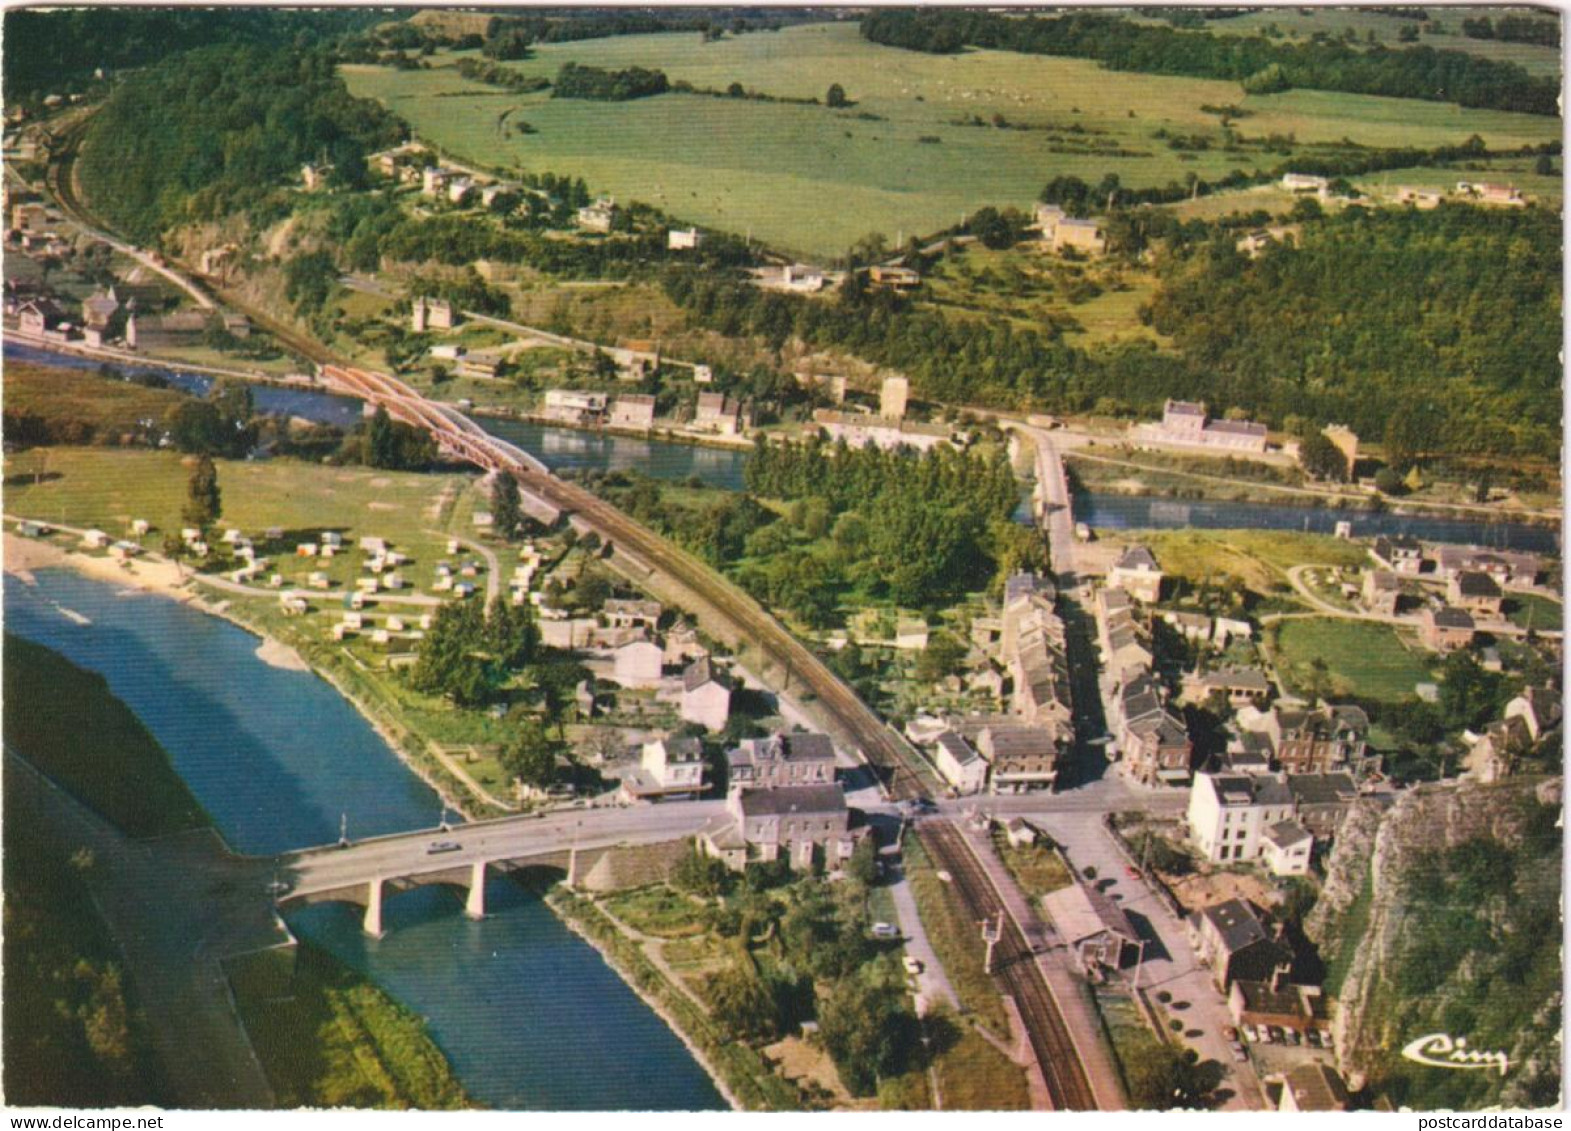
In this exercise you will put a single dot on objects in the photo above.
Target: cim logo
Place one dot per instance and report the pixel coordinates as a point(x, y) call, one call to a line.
point(1439, 1050)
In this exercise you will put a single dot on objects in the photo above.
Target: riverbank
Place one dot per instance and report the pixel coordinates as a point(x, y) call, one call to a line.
point(23, 555)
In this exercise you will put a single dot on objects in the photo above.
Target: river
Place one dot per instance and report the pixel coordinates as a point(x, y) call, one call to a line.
point(529, 1015)
point(567, 448)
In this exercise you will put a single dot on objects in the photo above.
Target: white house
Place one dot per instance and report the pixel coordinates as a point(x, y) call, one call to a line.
point(1137, 574)
point(637, 664)
point(667, 768)
point(1230, 814)
point(683, 239)
point(959, 762)
point(706, 698)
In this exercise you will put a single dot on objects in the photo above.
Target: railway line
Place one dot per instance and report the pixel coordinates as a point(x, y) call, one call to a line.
point(1014, 965)
point(902, 773)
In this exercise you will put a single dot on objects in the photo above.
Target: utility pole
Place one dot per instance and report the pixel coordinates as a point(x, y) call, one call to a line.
point(992, 931)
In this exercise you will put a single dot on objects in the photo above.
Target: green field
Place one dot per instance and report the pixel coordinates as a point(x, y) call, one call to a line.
point(67, 723)
point(814, 180)
point(59, 395)
point(1529, 609)
point(1366, 660)
point(1257, 558)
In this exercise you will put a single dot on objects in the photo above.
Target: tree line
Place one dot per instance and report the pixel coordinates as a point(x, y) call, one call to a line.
point(1416, 72)
point(576, 80)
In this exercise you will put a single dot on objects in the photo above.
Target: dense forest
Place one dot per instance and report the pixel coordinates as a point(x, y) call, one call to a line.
point(58, 49)
point(1259, 63)
point(248, 118)
point(1461, 302)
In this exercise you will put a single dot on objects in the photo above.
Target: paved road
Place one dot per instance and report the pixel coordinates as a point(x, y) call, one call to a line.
point(177, 906)
point(1169, 963)
point(933, 985)
point(330, 869)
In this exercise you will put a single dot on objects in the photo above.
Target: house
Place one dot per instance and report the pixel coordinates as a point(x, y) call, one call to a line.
point(573, 406)
point(633, 410)
point(480, 366)
point(1191, 626)
point(1154, 741)
point(598, 217)
point(99, 309)
point(682, 644)
point(1232, 939)
point(1305, 182)
point(1020, 833)
point(1400, 553)
point(1493, 755)
point(718, 413)
point(1382, 592)
point(40, 317)
point(1540, 708)
point(1277, 1002)
point(892, 397)
point(1474, 591)
point(637, 664)
point(1022, 758)
point(1491, 193)
point(1060, 230)
point(1304, 741)
point(1446, 629)
point(96, 539)
point(1095, 928)
point(668, 769)
point(431, 314)
point(706, 696)
point(1511, 569)
point(184, 328)
point(894, 278)
point(682, 239)
point(433, 180)
point(960, 764)
point(860, 429)
point(1242, 686)
point(1136, 573)
point(1287, 848)
point(781, 760)
point(910, 634)
point(314, 177)
point(1187, 424)
point(1320, 801)
point(1225, 629)
point(801, 278)
point(620, 613)
point(802, 823)
point(1313, 1087)
point(1229, 814)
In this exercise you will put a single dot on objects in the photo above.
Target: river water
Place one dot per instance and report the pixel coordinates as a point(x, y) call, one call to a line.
point(566, 448)
point(529, 1014)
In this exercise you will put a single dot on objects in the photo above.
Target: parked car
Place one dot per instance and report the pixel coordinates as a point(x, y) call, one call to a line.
point(1238, 1051)
point(912, 965)
point(944, 876)
point(885, 931)
point(1295, 1036)
point(1275, 1035)
point(1313, 1037)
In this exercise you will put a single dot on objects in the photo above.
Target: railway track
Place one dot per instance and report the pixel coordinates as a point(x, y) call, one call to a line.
point(1014, 966)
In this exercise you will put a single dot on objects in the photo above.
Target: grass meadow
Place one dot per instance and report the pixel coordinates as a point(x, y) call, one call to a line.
point(1368, 660)
point(814, 180)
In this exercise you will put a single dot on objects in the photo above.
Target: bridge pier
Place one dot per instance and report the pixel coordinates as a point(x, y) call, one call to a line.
point(474, 906)
point(373, 908)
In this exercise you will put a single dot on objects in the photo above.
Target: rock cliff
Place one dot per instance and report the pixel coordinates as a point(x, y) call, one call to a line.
point(1441, 915)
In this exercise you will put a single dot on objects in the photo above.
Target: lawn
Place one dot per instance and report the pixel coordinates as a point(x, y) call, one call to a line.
point(1529, 609)
point(975, 1076)
point(1127, 1032)
point(1258, 558)
point(66, 722)
point(658, 911)
point(814, 180)
point(1361, 659)
point(328, 1038)
point(1036, 868)
point(954, 937)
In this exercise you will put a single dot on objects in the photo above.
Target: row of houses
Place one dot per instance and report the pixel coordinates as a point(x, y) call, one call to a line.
point(1273, 819)
point(1188, 424)
point(1152, 739)
point(861, 429)
point(1508, 569)
point(716, 413)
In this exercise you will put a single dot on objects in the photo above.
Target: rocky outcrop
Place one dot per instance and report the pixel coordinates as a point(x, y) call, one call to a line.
point(1440, 914)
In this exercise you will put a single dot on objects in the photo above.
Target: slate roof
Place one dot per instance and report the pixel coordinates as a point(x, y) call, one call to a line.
point(1135, 558)
point(1236, 925)
point(1450, 617)
point(1472, 584)
point(791, 799)
point(1321, 789)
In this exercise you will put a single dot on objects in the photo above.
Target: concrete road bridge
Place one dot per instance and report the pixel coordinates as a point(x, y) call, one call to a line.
point(366, 872)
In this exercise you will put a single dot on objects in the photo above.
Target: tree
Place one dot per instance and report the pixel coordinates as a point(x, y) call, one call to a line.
point(942, 657)
point(174, 550)
point(506, 512)
point(1167, 1079)
point(741, 1001)
point(381, 445)
point(204, 503)
point(1544, 166)
point(698, 873)
point(868, 1029)
point(836, 98)
point(1388, 482)
point(1321, 458)
point(863, 865)
point(530, 757)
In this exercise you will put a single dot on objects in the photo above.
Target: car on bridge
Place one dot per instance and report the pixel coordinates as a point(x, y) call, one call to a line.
point(441, 846)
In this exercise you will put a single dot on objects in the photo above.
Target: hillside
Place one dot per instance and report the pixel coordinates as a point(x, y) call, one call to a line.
point(1439, 916)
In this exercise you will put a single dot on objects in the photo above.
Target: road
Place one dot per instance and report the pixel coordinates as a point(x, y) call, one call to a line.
point(1322, 607)
point(332, 869)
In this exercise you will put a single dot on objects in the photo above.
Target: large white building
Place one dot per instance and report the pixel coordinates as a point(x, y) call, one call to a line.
point(1230, 815)
point(960, 763)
